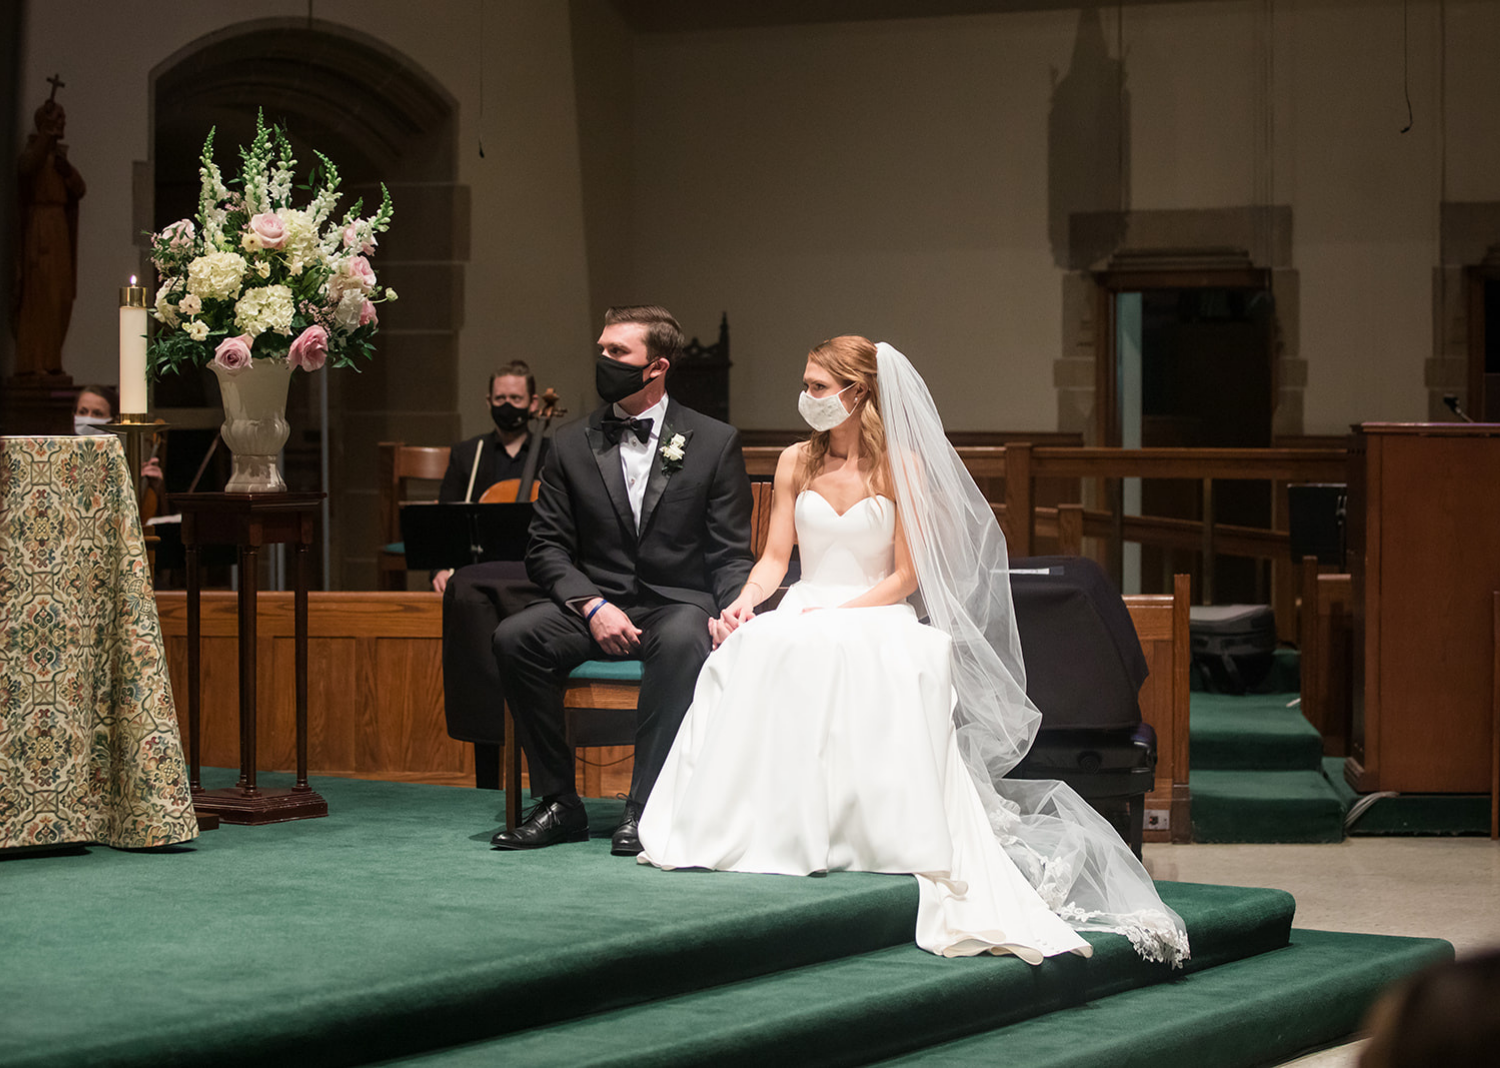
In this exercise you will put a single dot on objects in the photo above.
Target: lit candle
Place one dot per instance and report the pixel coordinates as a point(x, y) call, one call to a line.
point(132, 350)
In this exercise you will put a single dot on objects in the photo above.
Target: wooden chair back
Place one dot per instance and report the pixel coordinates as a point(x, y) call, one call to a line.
point(399, 465)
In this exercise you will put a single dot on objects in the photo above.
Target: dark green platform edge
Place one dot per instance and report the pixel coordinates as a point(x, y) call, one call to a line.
point(389, 932)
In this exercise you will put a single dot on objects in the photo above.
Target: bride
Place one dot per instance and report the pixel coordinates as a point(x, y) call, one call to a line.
point(839, 733)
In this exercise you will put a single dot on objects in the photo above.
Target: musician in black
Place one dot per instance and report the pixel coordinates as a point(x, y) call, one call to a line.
point(476, 598)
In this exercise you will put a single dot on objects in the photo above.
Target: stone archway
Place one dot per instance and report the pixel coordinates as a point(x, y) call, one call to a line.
point(381, 118)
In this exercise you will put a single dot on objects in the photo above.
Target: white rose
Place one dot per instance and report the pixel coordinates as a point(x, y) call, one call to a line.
point(350, 307)
point(166, 311)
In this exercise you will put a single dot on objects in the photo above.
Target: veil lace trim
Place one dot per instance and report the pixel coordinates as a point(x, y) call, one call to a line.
point(1066, 850)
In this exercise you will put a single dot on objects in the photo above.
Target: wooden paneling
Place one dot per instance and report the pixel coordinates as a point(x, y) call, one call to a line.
point(375, 683)
point(1161, 623)
point(375, 693)
point(1425, 562)
point(1325, 634)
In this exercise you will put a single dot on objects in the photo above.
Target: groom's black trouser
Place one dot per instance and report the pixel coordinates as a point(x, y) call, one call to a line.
point(536, 648)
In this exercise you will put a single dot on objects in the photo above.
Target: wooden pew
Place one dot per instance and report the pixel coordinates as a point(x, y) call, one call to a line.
point(1161, 623)
point(1325, 632)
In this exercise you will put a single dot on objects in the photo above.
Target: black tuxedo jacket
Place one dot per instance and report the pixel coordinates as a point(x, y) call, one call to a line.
point(693, 545)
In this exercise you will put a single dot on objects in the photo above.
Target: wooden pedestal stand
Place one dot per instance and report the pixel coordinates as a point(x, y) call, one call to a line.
point(249, 521)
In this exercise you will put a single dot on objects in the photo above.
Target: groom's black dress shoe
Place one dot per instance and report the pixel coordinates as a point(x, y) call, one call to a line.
point(553, 821)
point(626, 841)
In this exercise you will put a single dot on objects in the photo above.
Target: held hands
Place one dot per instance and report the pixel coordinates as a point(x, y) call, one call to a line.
point(740, 610)
point(612, 629)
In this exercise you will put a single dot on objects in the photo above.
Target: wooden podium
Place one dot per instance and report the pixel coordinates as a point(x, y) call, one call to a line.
point(1424, 558)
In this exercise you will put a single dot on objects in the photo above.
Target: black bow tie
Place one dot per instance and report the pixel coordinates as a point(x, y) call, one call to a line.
point(615, 429)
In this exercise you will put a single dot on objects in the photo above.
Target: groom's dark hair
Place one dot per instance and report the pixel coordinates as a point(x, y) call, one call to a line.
point(664, 338)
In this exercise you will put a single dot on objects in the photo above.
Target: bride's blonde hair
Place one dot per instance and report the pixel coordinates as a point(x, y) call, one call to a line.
point(850, 359)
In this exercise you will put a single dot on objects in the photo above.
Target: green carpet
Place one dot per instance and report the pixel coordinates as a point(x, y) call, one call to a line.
point(1264, 806)
point(1261, 1010)
point(1256, 767)
point(1256, 732)
point(872, 1005)
point(1411, 814)
point(391, 930)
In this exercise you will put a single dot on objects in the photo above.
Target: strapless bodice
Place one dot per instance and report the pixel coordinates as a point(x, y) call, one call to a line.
point(852, 551)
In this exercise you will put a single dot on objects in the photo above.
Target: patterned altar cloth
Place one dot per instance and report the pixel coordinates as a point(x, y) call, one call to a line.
point(89, 749)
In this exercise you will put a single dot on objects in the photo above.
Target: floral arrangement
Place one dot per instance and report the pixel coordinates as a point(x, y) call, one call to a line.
point(257, 278)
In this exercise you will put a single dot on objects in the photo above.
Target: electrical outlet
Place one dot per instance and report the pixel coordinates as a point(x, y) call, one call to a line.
point(1158, 819)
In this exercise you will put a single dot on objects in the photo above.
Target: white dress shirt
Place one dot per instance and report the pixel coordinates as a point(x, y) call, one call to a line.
point(636, 455)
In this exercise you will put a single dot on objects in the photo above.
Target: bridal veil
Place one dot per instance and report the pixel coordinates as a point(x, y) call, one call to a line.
point(1069, 853)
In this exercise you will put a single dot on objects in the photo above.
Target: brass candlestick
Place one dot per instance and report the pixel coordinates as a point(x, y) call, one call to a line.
point(134, 426)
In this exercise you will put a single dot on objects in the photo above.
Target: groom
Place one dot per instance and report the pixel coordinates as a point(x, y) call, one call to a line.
point(641, 534)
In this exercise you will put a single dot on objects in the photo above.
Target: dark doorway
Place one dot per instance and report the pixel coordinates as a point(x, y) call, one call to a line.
point(1483, 402)
point(1191, 367)
point(1207, 383)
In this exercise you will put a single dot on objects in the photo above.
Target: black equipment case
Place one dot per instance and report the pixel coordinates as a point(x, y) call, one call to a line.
point(1233, 645)
point(1084, 671)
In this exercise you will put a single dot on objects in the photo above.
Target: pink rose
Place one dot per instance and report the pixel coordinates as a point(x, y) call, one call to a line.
point(367, 315)
point(269, 228)
point(179, 234)
point(233, 353)
point(360, 272)
point(310, 350)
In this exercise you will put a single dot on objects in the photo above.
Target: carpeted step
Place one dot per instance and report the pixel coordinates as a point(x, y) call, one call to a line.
point(1265, 806)
point(388, 927)
point(873, 1005)
point(1410, 814)
point(1254, 732)
point(1261, 1010)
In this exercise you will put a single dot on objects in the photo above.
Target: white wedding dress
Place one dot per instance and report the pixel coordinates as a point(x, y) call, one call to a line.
point(824, 741)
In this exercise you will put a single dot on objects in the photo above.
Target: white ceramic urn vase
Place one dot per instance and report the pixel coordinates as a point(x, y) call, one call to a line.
point(255, 426)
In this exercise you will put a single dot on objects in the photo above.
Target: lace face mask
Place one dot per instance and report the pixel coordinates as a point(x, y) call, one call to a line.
point(823, 413)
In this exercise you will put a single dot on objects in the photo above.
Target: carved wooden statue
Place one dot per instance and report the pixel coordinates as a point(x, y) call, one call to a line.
point(47, 269)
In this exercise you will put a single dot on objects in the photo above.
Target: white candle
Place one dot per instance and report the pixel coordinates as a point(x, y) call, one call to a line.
point(132, 350)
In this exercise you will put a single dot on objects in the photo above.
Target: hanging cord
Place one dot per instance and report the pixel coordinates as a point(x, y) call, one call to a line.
point(1406, 60)
point(481, 79)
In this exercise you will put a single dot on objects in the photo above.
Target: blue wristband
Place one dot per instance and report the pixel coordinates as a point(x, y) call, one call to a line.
point(590, 616)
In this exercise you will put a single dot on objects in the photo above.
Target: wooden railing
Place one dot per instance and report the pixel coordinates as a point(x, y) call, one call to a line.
point(1020, 465)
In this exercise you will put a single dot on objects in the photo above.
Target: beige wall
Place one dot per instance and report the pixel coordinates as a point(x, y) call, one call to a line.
point(891, 178)
point(884, 177)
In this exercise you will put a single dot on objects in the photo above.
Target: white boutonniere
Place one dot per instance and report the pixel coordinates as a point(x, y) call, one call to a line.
point(672, 453)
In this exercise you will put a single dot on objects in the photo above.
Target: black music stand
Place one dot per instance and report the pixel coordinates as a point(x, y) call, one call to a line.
point(439, 536)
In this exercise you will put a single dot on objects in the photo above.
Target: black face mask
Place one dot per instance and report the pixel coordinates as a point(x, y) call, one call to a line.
point(508, 417)
point(615, 380)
